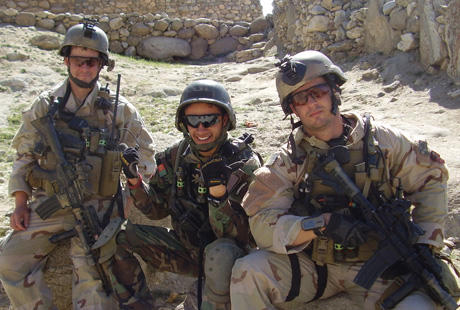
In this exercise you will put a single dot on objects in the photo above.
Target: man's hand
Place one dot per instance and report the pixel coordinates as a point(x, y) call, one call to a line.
point(216, 172)
point(346, 230)
point(129, 161)
point(19, 219)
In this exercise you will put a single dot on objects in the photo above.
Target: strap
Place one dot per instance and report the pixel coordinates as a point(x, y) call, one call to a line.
point(200, 277)
point(119, 200)
point(295, 283)
point(321, 271)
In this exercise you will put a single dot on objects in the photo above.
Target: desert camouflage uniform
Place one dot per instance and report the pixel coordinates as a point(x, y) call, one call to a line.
point(177, 250)
point(24, 253)
point(263, 278)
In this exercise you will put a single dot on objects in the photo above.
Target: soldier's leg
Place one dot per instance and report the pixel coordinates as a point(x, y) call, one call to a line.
point(128, 281)
point(22, 257)
point(262, 279)
point(87, 291)
point(159, 248)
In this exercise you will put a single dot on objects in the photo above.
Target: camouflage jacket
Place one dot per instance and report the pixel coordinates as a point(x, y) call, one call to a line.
point(128, 119)
point(161, 196)
point(422, 172)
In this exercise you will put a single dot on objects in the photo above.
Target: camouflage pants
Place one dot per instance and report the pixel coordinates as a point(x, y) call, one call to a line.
point(262, 279)
point(23, 255)
point(162, 250)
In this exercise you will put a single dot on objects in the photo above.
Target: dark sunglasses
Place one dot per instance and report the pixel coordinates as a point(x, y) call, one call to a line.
point(80, 60)
point(315, 92)
point(206, 120)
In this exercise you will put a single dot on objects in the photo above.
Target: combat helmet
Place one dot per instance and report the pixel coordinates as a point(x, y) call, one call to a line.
point(295, 71)
point(88, 35)
point(206, 91)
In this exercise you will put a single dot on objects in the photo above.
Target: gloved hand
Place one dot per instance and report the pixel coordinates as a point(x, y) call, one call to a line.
point(216, 172)
point(129, 161)
point(347, 230)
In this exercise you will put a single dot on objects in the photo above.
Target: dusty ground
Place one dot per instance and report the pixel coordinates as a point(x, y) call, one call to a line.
point(395, 89)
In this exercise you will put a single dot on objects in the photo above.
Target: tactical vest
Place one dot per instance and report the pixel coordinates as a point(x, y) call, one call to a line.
point(189, 203)
point(84, 141)
point(313, 196)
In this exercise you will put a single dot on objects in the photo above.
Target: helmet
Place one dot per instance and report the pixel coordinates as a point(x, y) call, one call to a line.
point(295, 71)
point(87, 35)
point(207, 91)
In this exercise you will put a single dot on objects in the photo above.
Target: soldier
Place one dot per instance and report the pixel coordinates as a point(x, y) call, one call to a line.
point(84, 120)
point(200, 182)
point(313, 238)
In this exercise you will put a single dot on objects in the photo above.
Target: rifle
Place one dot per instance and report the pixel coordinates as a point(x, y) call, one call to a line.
point(397, 232)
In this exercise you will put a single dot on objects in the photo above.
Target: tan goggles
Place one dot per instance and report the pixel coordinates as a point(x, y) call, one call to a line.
point(315, 92)
point(89, 61)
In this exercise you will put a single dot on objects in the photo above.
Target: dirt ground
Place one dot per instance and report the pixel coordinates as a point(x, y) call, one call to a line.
point(394, 88)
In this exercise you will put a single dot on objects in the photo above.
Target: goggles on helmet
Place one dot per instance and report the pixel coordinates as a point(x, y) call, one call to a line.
point(315, 92)
point(207, 120)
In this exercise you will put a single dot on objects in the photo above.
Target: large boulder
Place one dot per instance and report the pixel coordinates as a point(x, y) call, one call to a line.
point(453, 40)
point(161, 48)
point(223, 46)
point(380, 37)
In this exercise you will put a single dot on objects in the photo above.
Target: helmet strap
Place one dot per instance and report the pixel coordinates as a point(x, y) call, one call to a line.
point(197, 148)
point(335, 96)
point(295, 159)
point(81, 83)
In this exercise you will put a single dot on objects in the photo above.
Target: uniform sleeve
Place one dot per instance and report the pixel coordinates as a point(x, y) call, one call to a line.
point(24, 142)
point(134, 132)
point(423, 175)
point(267, 204)
point(153, 196)
point(227, 216)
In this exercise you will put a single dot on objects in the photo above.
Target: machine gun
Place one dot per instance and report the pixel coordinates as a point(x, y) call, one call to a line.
point(397, 233)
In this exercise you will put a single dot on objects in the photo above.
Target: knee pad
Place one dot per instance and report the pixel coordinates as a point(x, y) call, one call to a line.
point(220, 256)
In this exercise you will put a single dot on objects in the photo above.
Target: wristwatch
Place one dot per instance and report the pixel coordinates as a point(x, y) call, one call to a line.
point(313, 223)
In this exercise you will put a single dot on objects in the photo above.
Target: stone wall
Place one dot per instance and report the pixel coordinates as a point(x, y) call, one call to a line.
point(234, 10)
point(160, 37)
point(343, 28)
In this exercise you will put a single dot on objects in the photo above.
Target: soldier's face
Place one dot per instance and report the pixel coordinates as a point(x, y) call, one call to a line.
point(84, 64)
point(208, 128)
point(315, 110)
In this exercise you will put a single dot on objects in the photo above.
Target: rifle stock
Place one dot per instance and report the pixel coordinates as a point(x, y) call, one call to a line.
point(398, 234)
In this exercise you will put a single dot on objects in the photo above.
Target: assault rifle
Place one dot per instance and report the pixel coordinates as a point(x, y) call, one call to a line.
point(397, 233)
point(70, 182)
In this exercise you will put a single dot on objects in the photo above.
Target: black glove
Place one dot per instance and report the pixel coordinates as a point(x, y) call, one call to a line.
point(129, 161)
point(347, 230)
point(216, 172)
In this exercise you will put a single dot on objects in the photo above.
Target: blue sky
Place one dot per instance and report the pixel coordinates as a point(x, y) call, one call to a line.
point(266, 6)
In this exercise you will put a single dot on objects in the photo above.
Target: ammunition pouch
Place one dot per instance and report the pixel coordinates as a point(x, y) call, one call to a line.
point(325, 251)
point(186, 215)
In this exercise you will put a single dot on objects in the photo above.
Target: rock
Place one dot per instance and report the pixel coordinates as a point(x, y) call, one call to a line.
point(432, 49)
point(371, 75)
point(25, 19)
point(223, 46)
point(199, 48)
point(407, 42)
point(238, 31)
point(388, 7)
point(130, 51)
point(140, 29)
point(161, 25)
point(398, 18)
point(46, 42)
point(392, 87)
point(116, 23)
point(16, 83)
point(261, 24)
point(206, 31)
point(380, 37)
point(46, 23)
point(16, 57)
point(186, 33)
point(160, 48)
point(318, 23)
point(453, 40)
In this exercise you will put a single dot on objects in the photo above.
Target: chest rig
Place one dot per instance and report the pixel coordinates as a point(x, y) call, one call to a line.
point(87, 143)
point(316, 193)
point(191, 209)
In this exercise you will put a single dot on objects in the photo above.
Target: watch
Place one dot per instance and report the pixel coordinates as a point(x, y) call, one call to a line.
point(313, 223)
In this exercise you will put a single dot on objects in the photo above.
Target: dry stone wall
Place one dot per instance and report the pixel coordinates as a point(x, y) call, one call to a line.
point(234, 10)
point(160, 37)
point(343, 28)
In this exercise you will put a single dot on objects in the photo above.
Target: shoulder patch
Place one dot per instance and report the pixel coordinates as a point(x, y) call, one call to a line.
point(425, 155)
point(271, 160)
